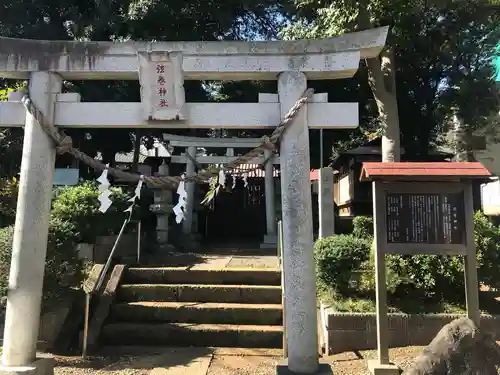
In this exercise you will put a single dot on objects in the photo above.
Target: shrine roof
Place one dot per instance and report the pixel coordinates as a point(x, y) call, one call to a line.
point(440, 171)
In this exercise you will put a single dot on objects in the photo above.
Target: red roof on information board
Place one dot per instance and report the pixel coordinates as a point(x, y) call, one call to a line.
point(441, 171)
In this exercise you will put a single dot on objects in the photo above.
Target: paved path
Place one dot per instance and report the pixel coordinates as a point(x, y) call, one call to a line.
point(211, 261)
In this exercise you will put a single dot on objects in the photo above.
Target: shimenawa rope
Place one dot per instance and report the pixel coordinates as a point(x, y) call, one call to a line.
point(64, 144)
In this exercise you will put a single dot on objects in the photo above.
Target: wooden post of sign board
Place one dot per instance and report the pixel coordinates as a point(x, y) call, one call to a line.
point(470, 269)
point(380, 274)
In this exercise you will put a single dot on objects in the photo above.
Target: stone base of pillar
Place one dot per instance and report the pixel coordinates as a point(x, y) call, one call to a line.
point(323, 369)
point(42, 366)
point(270, 242)
point(376, 368)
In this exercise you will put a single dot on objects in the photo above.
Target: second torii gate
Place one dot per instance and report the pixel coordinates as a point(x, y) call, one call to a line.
point(192, 143)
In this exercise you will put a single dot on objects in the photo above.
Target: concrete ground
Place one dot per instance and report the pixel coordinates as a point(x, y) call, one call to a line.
point(204, 361)
point(217, 258)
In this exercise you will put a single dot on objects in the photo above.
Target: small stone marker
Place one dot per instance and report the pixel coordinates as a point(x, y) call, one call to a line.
point(421, 208)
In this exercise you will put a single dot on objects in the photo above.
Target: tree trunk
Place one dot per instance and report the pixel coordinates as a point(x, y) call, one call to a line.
point(462, 141)
point(382, 80)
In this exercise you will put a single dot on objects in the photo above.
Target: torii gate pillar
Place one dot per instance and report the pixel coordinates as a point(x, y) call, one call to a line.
point(30, 234)
point(299, 271)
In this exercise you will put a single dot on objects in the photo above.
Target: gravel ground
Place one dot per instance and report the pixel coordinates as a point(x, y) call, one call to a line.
point(351, 363)
point(348, 363)
point(124, 365)
point(248, 365)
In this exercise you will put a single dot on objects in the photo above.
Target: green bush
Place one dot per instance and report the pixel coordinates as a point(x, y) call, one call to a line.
point(79, 205)
point(487, 239)
point(75, 218)
point(8, 200)
point(337, 257)
point(63, 270)
point(366, 284)
point(6, 235)
point(362, 226)
point(439, 277)
point(430, 277)
point(442, 277)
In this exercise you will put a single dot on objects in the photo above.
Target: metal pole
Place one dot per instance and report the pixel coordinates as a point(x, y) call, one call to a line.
point(110, 257)
point(86, 325)
point(139, 242)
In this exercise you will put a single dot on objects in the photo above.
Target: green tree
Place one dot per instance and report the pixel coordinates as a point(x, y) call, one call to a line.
point(441, 57)
point(138, 20)
point(11, 144)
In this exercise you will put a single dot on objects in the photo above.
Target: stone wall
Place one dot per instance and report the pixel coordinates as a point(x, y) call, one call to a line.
point(357, 331)
point(52, 322)
point(126, 248)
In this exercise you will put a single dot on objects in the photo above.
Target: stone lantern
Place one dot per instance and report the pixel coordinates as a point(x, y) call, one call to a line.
point(162, 208)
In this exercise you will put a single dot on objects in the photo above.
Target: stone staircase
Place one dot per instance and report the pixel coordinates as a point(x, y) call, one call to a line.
point(181, 306)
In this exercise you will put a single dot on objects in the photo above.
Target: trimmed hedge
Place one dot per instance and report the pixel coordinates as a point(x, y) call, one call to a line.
point(337, 257)
point(440, 278)
point(63, 270)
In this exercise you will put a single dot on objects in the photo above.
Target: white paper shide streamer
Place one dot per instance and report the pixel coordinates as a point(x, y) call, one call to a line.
point(104, 189)
point(136, 196)
point(181, 205)
point(222, 178)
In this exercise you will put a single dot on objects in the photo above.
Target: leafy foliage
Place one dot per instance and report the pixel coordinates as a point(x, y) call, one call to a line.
point(122, 20)
point(362, 227)
point(442, 51)
point(487, 239)
point(6, 235)
point(63, 270)
point(79, 205)
point(436, 278)
point(8, 200)
point(442, 277)
point(337, 257)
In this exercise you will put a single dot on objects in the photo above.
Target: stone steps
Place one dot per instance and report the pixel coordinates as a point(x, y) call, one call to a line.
point(198, 312)
point(179, 306)
point(183, 275)
point(253, 294)
point(188, 334)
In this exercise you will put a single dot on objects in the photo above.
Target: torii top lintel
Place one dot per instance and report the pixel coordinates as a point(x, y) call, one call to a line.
point(331, 58)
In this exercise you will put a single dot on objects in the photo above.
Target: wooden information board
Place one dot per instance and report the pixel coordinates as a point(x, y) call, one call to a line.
point(421, 208)
point(425, 218)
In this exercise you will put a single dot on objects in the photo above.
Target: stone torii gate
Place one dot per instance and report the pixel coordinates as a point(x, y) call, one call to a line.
point(191, 144)
point(162, 68)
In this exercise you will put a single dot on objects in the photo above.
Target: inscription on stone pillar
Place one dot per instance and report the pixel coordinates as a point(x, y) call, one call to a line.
point(162, 85)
